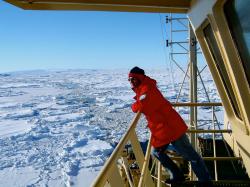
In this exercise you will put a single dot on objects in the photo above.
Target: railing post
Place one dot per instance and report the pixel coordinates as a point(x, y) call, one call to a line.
point(126, 169)
point(214, 146)
point(144, 172)
point(159, 174)
point(141, 160)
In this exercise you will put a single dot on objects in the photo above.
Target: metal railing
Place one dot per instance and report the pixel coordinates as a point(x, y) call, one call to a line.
point(110, 174)
point(213, 131)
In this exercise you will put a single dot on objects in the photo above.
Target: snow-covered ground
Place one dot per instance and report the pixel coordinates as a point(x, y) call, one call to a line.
point(57, 128)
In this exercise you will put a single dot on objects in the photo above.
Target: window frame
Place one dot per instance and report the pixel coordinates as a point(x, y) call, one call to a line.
point(223, 72)
point(216, 74)
point(233, 59)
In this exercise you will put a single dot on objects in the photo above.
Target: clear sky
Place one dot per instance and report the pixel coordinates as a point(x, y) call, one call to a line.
point(79, 39)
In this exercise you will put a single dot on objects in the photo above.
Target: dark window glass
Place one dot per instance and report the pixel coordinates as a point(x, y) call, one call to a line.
point(210, 38)
point(238, 13)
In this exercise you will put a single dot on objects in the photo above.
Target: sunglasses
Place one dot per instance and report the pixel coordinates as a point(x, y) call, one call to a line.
point(131, 79)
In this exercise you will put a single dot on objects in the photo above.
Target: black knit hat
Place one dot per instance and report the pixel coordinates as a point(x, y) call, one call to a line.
point(137, 70)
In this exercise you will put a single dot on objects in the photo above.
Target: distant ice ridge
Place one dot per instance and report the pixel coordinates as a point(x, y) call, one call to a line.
point(57, 128)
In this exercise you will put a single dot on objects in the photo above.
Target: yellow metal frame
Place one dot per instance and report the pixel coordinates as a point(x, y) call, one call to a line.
point(233, 62)
point(239, 138)
point(215, 72)
point(159, 6)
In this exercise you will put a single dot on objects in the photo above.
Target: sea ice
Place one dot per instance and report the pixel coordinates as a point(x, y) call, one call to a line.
point(57, 128)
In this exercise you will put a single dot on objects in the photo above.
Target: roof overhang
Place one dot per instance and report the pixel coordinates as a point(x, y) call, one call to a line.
point(157, 6)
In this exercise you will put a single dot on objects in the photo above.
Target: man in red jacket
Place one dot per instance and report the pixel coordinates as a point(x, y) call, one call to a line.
point(166, 127)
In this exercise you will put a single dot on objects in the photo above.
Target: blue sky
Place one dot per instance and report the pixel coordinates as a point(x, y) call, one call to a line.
point(79, 39)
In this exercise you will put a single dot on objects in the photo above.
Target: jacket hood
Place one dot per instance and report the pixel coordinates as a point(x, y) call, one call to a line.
point(148, 81)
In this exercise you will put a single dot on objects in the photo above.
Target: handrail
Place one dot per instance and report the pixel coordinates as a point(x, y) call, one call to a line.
point(209, 131)
point(103, 175)
point(110, 167)
point(196, 104)
point(210, 158)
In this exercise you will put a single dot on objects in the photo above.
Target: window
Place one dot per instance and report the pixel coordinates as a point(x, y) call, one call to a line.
point(214, 48)
point(237, 13)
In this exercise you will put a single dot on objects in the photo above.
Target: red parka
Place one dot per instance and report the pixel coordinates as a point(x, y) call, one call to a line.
point(165, 124)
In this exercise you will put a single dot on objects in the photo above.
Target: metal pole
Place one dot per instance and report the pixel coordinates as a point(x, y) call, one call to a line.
point(144, 170)
point(159, 175)
point(214, 147)
point(193, 87)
